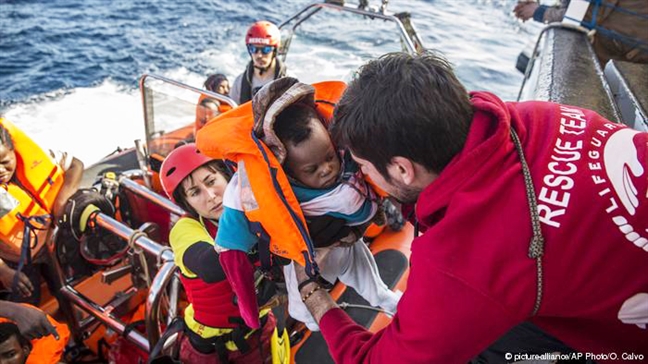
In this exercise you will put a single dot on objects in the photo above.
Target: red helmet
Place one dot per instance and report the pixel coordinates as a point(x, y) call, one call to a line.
point(179, 164)
point(263, 32)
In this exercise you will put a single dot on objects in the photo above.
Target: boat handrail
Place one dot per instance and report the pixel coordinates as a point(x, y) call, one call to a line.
point(628, 83)
point(128, 183)
point(165, 272)
point(567, 71)
point(104, 314)
point(69, 297)
point(312, 9)
point(148, 112)
point(211, 94)
point(534, 54)
point(131, 235)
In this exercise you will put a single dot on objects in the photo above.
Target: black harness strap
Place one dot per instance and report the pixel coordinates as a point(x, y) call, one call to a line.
point(177, 325)
point(32, 223)
point(218, 343)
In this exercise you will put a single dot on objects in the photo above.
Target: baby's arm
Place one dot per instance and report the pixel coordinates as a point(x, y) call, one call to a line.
point(357, 231)
point(233, 226)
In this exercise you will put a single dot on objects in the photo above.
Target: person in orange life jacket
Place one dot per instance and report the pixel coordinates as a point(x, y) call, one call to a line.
point(205, 111)
point(262, 40)
point(297, 136)
point(26, 286)
point(217, 83)
point(14, 347)
point(209, 108)
point(325, 186)
point(215, 331)
point(620, 25)
point(48, 338)
point(32, 322)
point(528, 211)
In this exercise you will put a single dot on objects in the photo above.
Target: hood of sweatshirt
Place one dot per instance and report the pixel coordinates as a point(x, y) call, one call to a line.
point(489, 136)
point(271, 100)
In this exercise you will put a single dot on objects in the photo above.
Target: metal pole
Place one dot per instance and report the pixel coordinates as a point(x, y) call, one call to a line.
point(105, 316)
point(126, 232)
point(153, 301)
point(154, 197)
point(57, 276)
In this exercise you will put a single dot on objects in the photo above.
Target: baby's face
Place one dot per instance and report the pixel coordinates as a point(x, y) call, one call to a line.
point(314, 162)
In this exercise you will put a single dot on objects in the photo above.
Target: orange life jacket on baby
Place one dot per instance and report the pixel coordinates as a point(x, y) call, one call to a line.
point(34, 187)
point(268, 200)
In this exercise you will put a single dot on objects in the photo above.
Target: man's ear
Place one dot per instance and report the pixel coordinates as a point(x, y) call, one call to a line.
point(403, 170)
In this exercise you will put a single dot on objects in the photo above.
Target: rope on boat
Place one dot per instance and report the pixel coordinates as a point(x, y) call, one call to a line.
point(160, 253)
point(140, 253)
point(345, 305)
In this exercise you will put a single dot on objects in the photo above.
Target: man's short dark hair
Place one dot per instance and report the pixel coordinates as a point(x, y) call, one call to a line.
point(9, 329)
point(405, 105)
point(293, 123)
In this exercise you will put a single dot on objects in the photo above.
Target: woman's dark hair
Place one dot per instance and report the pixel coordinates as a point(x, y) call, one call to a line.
point(9, 329)
point(212, 81)
point(216, 166)
point(405, 105)
point(293, 123)
point(5, 138)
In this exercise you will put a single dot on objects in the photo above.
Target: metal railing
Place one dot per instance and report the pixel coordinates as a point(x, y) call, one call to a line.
point(147, 107)
point(164, 283)
point(312, 9)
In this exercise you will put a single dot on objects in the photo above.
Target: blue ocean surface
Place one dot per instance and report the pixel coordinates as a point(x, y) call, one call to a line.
point(69, 69)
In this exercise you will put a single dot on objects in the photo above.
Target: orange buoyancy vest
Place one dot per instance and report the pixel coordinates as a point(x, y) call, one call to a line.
point(267, 197)
point(34, 187)
point(201, 112)
point(47, 349)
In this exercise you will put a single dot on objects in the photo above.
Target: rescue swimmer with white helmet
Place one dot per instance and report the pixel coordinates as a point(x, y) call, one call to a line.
point(262, 40)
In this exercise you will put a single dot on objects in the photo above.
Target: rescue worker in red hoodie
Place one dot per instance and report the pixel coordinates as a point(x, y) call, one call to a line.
point(262, 41)
point(35, 185)
point(529, 211)
point(215, 330)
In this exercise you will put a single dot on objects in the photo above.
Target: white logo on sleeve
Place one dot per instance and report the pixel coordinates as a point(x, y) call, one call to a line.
point(635, 310)
point(622, 164)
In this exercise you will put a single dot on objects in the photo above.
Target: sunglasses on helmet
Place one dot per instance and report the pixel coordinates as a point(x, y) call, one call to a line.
point(263, 49)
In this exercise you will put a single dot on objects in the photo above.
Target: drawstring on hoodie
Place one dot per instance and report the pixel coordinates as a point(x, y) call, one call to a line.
point(536, 247)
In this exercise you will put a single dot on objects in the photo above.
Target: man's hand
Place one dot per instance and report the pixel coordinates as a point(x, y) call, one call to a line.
point(320, 301)
point(33, 324)
point(25, 287)
point(524, 10)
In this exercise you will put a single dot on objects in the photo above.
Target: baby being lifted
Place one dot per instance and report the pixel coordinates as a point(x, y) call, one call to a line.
point(326, 185)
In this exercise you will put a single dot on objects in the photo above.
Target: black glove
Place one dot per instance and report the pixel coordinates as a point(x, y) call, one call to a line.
point(326, 230)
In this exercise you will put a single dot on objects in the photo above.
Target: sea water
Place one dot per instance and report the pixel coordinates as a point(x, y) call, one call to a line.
point(69, 69)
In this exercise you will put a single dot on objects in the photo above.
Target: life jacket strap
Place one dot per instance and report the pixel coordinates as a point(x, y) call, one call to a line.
point(31, 225)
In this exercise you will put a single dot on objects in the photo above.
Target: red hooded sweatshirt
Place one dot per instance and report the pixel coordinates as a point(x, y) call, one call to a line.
point(471, 279)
